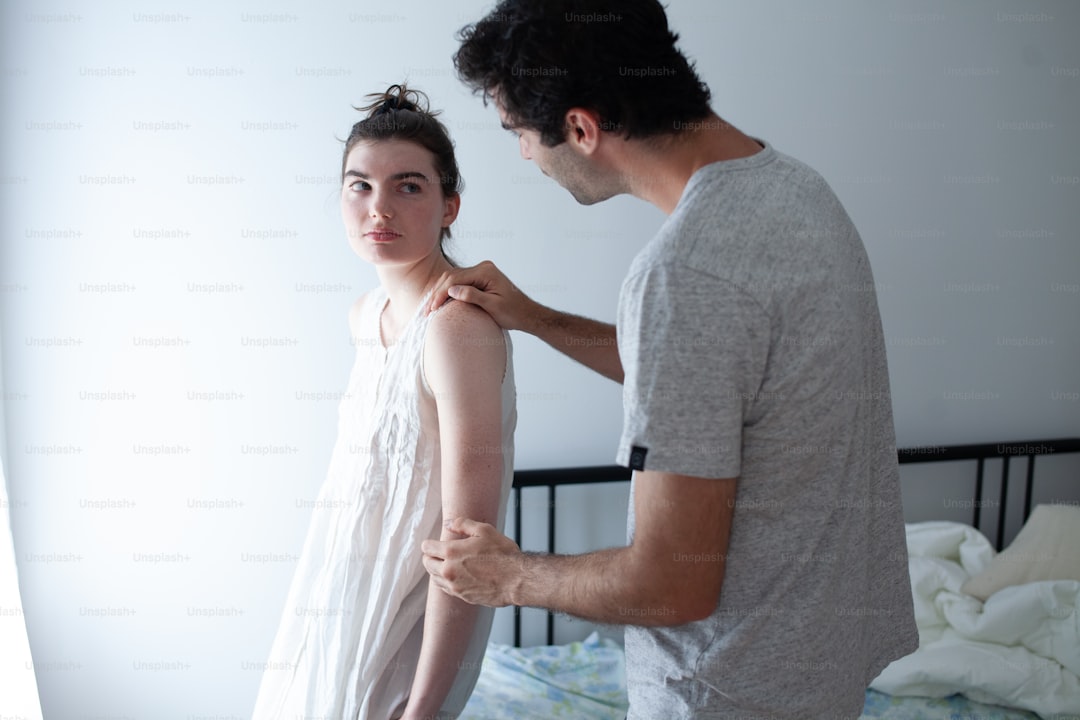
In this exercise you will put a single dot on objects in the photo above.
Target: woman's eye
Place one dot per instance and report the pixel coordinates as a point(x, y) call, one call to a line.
point(411, 187)
point(359, 185)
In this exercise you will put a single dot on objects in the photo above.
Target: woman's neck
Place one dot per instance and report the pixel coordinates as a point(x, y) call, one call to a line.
point(405, 287)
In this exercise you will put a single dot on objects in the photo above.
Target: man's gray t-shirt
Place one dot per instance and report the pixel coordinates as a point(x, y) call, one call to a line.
point(752, 347)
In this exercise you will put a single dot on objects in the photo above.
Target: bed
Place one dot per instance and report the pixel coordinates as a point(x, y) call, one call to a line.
point(1010, 651)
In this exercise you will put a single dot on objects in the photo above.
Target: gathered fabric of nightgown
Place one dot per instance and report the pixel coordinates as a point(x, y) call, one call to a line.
point(350, 634)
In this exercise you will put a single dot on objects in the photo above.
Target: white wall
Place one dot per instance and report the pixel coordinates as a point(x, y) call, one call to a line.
point(169, 233)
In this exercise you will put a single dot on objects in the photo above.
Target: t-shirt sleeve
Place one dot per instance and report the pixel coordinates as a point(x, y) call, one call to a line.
point(694, 350)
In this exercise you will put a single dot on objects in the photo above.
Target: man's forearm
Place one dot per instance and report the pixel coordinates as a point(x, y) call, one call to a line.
point(591, 342)
point(600, 586)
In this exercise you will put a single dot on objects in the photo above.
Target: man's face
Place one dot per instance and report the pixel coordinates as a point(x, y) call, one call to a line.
point(561, 163)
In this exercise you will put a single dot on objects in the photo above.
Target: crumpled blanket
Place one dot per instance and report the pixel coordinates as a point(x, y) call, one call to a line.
point(1021, 648)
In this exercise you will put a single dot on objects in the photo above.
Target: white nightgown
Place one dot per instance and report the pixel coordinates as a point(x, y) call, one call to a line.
point(350, 634)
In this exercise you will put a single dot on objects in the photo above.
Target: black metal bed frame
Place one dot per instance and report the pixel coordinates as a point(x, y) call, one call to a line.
point(1006, 451)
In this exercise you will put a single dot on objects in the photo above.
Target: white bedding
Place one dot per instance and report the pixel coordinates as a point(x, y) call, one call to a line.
point(1020, 648)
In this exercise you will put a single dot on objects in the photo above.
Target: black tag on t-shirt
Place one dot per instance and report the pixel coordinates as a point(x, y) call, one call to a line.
point(637, 457)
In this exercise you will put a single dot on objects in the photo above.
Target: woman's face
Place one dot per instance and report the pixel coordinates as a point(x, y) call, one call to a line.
point(392, 203)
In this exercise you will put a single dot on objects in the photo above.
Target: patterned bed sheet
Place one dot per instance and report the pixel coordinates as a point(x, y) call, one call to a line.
point(586, 680)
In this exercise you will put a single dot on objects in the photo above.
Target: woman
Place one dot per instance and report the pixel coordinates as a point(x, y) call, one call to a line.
point(425, 433)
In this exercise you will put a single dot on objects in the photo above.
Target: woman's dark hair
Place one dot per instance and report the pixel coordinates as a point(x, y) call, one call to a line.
point(402, 113)
point(616, 57)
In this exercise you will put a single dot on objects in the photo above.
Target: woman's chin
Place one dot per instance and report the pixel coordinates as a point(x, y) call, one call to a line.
point(373, 254)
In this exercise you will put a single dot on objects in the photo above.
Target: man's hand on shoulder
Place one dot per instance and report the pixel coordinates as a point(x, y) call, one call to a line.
point(589, 342)
point(485, 286)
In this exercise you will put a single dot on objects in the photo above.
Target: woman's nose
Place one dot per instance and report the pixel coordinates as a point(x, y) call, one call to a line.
point(380, 205)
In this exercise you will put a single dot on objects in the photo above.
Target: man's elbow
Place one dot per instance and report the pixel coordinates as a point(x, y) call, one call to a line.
point(693, 606)
point(677, 604)
point(669, 594)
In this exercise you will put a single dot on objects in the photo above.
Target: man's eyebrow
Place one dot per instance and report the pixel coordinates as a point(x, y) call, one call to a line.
point(395, 176)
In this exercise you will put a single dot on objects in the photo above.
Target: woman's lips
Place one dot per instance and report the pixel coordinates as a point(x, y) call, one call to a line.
point(383, 235)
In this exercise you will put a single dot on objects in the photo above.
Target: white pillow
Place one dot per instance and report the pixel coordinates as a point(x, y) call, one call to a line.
point(1046, 548)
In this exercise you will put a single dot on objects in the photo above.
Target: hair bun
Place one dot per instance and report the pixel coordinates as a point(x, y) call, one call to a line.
point(396, 98)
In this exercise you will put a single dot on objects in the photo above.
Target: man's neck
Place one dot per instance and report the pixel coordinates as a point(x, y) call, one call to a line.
point(658, 170)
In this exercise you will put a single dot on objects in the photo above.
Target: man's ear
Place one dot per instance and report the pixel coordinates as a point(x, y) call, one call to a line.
point(583, 129)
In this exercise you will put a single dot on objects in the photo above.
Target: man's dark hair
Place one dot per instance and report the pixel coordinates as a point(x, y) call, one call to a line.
point(615, 57)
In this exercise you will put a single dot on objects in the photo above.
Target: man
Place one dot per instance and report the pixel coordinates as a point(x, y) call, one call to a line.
point(766, 570)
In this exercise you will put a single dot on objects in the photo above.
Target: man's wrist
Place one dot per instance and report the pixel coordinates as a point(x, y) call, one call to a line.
point(516, 583)
point(539, 320)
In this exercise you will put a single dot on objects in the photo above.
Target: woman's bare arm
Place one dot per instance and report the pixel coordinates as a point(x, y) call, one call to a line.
point(591, 342)
point(465, 360)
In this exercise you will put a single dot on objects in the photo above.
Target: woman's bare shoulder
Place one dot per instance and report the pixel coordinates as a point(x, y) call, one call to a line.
point(463, 336)
point(462, 319)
